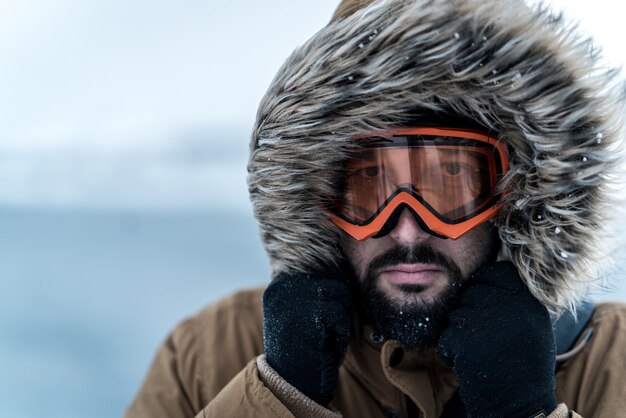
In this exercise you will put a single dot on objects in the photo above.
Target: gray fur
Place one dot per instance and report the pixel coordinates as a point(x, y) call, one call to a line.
point(521, 72)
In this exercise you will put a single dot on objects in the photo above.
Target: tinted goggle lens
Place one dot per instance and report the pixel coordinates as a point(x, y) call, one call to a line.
point(447, 176)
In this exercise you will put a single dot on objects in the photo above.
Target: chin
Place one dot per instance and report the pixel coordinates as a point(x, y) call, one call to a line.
point(415, 295)
point(413, 315)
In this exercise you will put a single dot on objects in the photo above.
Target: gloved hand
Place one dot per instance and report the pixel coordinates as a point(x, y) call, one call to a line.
point(500, 345)
point(307, 320)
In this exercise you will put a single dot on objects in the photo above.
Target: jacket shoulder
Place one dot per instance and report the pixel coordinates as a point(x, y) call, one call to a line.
point(237, 307)
point(591, 383)
point(221, 339)
point(201, 356)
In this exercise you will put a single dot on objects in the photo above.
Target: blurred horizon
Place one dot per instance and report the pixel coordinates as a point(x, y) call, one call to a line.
point(198, 171)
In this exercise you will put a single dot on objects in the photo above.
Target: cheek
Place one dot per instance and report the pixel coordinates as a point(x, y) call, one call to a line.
point(476, 249)
point(359, 254)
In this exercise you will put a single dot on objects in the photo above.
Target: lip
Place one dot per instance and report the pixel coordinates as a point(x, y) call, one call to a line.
point(401, 274)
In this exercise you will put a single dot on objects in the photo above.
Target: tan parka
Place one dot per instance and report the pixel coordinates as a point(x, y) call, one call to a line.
point(208, 368)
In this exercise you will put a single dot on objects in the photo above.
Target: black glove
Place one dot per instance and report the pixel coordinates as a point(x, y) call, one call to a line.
point(500, 345)
point(307, 320)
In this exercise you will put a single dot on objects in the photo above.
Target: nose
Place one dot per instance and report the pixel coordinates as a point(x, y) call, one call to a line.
point(408, 231)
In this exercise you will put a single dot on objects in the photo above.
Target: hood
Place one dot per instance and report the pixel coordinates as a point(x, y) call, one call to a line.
point(520, 72)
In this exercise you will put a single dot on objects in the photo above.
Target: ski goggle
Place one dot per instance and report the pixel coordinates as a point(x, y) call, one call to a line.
point(446, 176)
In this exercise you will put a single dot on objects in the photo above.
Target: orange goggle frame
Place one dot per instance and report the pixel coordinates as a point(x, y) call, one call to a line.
point(446, 176)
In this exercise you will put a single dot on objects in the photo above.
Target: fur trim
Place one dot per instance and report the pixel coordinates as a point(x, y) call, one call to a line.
point(521, 72)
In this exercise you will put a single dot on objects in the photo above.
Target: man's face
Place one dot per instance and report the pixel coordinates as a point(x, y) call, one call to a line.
point(408, 280)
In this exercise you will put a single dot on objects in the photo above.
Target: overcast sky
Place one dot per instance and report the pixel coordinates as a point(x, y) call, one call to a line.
point(94, 94)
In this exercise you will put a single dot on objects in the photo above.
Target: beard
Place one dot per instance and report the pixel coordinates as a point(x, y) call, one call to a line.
point(415, 322)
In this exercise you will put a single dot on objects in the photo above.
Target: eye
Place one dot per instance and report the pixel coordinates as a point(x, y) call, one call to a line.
point(454, 169)
point(370, 171)
point(364, 177)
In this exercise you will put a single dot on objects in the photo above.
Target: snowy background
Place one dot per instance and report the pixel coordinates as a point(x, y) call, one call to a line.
point(124, 131)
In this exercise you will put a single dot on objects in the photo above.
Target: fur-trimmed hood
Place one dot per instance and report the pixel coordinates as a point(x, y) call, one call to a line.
point(520, 72)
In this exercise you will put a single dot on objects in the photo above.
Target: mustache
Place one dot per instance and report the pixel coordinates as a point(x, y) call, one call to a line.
point(412, 255)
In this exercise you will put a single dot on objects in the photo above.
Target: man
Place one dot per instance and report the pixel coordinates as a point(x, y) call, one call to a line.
point(429, 178)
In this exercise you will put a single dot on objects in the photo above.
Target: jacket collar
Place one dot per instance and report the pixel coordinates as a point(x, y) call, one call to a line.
point(388, 372)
